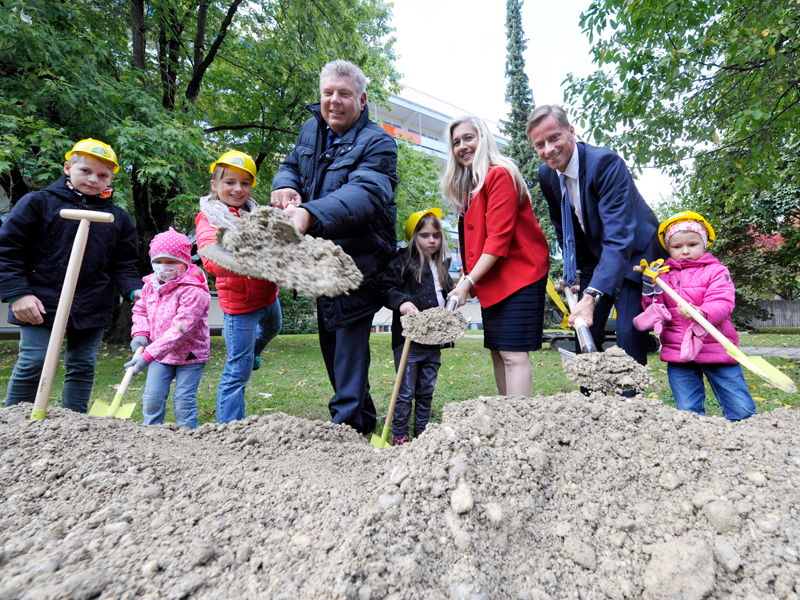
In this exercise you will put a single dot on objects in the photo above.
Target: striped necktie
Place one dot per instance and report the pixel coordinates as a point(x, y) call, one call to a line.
point(568, 249)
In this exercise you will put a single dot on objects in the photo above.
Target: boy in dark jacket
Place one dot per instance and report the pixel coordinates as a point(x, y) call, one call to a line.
point(35, 246)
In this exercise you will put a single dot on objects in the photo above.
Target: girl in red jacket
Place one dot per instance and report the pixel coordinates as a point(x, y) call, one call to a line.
point(706, 284)
point(503, 250)
point(252, 313)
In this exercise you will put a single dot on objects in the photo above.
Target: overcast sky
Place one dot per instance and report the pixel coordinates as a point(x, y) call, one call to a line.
point(455, 50)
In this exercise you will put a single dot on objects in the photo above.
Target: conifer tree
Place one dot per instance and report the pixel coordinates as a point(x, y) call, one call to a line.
point(520, 99)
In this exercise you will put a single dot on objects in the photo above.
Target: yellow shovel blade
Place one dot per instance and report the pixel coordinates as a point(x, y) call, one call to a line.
point(100, 409)
point(125, 411)
point(379, 441)
point(763, 369)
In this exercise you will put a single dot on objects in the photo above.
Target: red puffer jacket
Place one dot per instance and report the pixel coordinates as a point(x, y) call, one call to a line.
point(238, 295)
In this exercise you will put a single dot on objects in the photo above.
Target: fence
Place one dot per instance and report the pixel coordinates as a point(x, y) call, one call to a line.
point(785, 313)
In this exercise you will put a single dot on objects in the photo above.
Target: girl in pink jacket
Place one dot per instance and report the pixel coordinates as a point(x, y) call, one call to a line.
point(171, 321)
point(706, 284)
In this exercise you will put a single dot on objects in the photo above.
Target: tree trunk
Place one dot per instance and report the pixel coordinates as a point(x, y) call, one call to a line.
point(138, 34)
point(14, 185)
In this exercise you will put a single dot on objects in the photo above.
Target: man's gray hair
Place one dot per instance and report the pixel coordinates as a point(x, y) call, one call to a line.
point(344, 68)
point(544, 111)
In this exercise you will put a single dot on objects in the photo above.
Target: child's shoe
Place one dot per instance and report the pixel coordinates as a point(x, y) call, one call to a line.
point(418, 432)
point(399, 440)
point(256, 363)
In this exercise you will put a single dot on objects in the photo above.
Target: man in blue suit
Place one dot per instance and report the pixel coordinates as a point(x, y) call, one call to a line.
point(613, 227)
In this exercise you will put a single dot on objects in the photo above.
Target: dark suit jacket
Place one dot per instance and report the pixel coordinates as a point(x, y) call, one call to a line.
point(621, 228)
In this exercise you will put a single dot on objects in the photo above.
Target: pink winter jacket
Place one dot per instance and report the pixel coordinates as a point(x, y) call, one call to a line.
point(707, 284)
point(174, 317)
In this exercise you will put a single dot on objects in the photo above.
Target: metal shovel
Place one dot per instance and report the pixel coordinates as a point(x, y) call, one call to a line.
point(756, 364)
point(585, 339)
point(39, 411)
point(381, 441)
point(101, 409)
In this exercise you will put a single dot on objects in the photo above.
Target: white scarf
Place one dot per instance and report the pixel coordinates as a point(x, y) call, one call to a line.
point(219, 214)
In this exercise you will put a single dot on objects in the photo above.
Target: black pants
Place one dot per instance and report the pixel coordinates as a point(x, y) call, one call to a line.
point(346, 355)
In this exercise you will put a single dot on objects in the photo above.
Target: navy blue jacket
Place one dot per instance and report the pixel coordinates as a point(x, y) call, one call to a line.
point(398, 287)
point(621, 228)
point(349, 188)
point(35, 246)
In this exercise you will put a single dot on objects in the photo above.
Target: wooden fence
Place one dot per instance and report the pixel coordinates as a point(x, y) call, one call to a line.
point(785, 313)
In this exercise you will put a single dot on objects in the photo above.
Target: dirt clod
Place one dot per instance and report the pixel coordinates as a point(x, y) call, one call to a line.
point(434, 326)
point(611, 371)
point(266, 245)
point(551, 497)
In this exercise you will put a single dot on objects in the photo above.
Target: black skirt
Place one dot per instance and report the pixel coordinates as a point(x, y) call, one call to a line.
point(515, 324)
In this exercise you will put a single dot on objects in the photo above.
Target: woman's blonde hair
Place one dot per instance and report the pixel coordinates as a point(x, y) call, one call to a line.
point(417, 267)
point(459, 182)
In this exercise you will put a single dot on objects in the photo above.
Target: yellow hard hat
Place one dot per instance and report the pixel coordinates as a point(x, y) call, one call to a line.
point(240, 160)
point(95, 148)
point(685, 216)
point(411, 224)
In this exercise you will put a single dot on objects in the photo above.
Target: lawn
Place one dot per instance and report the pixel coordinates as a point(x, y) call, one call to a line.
point(292, 378)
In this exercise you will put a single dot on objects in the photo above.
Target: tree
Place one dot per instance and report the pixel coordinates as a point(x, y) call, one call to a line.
point(417, 185)
point(520, 99)
point(708, 91)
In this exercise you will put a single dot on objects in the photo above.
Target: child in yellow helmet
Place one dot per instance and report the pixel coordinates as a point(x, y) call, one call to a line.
point(417, 278)
point(690, 354)
point(35, 243)
point(250, 307)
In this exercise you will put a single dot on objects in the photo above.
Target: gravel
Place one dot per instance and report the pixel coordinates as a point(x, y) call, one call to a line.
point(544, 498)
point(612, 371)
point(434, 326)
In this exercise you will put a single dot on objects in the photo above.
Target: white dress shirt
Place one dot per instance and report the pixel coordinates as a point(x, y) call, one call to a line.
point(572, 178)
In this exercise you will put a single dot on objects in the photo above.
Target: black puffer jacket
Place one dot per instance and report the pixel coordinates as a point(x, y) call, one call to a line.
point(398, 287)
point(35, 246)
point(349, 188)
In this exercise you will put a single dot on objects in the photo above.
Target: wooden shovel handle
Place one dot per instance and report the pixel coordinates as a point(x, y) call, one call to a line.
point(123, 387)
point(397, 381)
point(696, 314)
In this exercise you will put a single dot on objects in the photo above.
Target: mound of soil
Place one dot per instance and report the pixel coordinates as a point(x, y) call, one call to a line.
point(266, 245)
point(611, 371)
point(551, 497)
point(434, 326)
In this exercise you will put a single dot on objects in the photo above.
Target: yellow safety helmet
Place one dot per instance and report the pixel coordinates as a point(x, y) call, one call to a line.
point(685, 216)
point(411, 224)
point(95, 148)
point(240, 160)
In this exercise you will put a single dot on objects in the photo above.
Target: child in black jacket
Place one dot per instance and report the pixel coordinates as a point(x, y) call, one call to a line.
point(415, 280)
point(35, 246)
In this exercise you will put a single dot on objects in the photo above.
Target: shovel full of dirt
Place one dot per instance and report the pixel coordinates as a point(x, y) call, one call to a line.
point(433, 326)
point(585, 339)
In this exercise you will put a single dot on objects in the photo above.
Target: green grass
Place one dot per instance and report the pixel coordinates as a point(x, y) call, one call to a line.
point(771, 340)
point(292, 378)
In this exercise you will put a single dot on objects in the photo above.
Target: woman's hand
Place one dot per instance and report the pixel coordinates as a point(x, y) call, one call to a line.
point(460, 292)
point(408, 307)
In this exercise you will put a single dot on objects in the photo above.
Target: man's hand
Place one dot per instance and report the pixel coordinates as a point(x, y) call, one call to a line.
point(301, 218)
point(408, 307)
point(585, 309)
point(137, 295)
point(285, 197)
point(29, 309)
point(576, 287)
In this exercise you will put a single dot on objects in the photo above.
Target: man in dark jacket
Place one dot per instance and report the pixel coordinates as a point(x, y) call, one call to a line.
point(338, 184)
point(35, 247)
point(613, 227)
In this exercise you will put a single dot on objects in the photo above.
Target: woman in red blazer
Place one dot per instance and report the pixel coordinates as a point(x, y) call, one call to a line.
point(504, 252)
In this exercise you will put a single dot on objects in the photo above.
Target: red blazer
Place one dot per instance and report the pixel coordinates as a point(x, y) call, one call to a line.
point(238, 295)
point(496, 223)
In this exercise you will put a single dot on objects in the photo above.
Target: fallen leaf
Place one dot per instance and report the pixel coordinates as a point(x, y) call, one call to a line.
point(265, 395)
point(301, 383)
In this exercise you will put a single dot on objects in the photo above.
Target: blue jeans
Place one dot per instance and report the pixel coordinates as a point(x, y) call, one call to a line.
point(246, 336)
point(727, 382)
point(184, 400)
point(418, 383)
point(79, 362)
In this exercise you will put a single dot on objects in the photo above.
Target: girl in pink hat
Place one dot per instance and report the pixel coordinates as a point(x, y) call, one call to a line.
point(690, 354)
point(171, 321)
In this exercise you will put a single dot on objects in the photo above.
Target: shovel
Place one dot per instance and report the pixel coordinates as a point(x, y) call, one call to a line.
point(101, 409)
point(756, 364)
point(64, 305)
point(381, 441)
point(585, 339)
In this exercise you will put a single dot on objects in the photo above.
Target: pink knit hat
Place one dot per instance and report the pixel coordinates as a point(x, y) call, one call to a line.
point(171, 244)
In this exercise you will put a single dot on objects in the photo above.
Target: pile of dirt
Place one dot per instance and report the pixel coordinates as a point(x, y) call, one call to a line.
point(266, 245)
point(434, 326)
point(543, 498)
point(611, 371)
